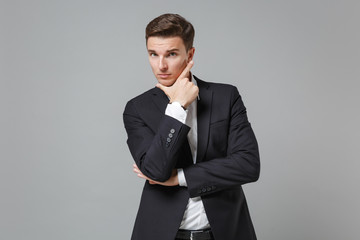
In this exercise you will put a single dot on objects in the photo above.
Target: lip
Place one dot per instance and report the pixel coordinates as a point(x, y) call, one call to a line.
point(164, 75)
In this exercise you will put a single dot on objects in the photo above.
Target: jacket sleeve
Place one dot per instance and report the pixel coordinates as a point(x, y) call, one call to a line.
point(240, 165)
point(155, 151)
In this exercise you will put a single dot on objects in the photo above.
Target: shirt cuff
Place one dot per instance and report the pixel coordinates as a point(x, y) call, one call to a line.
point(181, 177)
point(176, 111)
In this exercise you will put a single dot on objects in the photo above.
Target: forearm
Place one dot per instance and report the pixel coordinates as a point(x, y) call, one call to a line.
point(154, 151)
point(240, 167)
point(220, 174)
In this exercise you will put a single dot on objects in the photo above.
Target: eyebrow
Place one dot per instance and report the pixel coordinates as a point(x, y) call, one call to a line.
point(170, 50)
point(173, 50)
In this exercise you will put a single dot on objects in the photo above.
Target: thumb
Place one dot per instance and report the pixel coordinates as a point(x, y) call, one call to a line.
point(162, 87)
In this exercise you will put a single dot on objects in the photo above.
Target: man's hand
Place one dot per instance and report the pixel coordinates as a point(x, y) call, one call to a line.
point(182, 91)
point(172, 181)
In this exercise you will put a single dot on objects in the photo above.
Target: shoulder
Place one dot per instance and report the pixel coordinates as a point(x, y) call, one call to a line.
point(146, 97)
point(143, 96)
point(218, 88)
point(140, 101)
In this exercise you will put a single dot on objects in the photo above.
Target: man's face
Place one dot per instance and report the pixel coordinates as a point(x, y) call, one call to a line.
point(168, 58)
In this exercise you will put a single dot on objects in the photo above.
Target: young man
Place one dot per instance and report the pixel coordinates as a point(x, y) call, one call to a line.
point(192, 142)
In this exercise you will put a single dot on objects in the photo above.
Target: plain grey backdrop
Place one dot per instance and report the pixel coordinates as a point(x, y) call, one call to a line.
point(68, 67)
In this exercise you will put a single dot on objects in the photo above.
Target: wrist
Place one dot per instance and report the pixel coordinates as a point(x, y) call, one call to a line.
point(179, 104)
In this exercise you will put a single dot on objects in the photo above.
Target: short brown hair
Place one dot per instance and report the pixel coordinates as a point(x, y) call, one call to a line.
point(171, 25)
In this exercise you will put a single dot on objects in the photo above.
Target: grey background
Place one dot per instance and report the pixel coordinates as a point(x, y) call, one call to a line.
point(68, 68)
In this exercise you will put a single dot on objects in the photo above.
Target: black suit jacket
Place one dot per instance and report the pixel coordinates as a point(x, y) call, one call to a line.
point(227, 158)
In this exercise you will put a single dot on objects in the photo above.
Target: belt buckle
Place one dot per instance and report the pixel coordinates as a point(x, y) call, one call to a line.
point(191, 235)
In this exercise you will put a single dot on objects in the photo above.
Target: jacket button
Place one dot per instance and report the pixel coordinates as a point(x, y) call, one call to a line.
point(172, 130)
point(170, 135)
point(203, 190)
point(208, 189)
point(168, 140)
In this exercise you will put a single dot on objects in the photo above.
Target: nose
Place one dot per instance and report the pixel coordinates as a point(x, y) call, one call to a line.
point(163, 65)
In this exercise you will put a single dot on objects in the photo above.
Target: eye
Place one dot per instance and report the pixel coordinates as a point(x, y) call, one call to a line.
point(153, 55)
point(172, 54)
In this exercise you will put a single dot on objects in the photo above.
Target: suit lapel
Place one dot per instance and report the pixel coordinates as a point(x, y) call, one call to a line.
point(203, 118)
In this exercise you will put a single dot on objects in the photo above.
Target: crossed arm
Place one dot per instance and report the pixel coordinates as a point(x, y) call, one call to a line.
point(240, 166)
point(172, 181)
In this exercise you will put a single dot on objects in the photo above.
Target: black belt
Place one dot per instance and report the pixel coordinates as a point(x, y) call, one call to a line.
point(195, 235)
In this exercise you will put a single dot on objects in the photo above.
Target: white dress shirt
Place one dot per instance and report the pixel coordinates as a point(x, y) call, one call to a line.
point(195, 216)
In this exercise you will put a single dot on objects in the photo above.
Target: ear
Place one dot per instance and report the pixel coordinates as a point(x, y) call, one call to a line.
point(190, 54)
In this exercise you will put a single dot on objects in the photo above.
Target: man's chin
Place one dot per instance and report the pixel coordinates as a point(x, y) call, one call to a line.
point(166, 82)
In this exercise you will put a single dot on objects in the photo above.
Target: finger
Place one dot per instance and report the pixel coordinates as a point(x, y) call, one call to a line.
point(139, 173)
point(153, 182)
point(186, 71)
point(148, 179)
point(142, 176)
point(158, 85)
point(135, 168)
point(162, 87)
